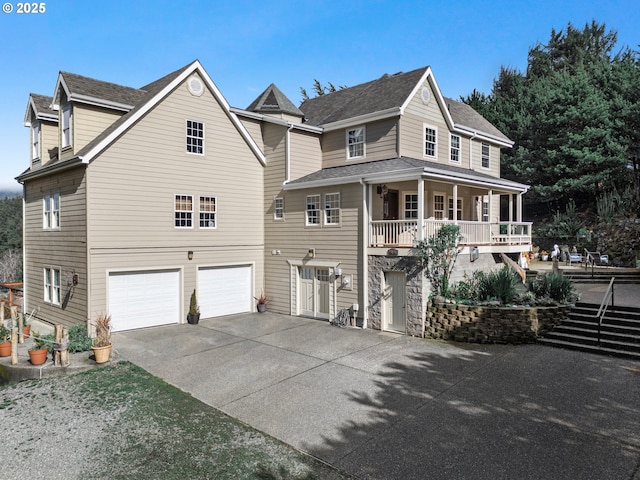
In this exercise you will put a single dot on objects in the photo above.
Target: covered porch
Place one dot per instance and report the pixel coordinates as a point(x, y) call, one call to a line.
point(488, 211)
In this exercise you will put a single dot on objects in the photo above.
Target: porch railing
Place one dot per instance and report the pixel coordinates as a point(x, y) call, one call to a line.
point(404, 233)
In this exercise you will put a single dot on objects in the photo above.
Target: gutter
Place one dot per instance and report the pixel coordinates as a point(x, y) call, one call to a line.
point(287, 161)
point(47, 170)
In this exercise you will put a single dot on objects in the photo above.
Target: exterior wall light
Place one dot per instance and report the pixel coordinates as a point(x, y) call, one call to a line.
point(190, 255)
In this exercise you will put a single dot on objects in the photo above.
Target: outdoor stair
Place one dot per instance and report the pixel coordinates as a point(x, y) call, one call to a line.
point(603, 276)
point(619, 333)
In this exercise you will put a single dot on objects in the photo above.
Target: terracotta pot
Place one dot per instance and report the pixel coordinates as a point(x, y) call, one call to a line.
point(26, 330)
point(102, 353)
point(5, 349)
point(38, 357)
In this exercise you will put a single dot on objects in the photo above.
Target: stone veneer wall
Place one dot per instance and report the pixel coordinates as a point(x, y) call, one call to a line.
point(414, 288)
point(489, 324)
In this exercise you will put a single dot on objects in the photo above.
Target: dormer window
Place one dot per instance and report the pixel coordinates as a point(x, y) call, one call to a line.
point(355, 143)
point(35, 141)
point(65, 131)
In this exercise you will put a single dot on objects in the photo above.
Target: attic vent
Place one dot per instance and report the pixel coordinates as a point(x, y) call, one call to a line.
point(195, 86)
point(425, 95)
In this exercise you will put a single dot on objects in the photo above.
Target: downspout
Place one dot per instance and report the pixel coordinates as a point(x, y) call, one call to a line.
point(25, 299)
point(364, 282)
point(287, 161)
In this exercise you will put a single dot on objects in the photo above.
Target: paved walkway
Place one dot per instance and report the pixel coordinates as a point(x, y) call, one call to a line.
point(386, 406)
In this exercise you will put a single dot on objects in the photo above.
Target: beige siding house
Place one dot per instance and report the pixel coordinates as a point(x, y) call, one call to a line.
point(144, 195)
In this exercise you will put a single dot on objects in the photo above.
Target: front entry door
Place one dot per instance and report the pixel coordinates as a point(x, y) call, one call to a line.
point(391, 206)
point(393, 298)
point(314, 292)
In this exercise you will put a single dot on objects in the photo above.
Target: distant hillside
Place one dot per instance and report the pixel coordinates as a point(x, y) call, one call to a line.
point(10, 193)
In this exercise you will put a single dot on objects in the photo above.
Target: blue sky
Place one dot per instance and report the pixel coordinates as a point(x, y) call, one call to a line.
point(246, 45)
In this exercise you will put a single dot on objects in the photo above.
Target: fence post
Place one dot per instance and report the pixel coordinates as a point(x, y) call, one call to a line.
point(61, 346)
point(14, 336)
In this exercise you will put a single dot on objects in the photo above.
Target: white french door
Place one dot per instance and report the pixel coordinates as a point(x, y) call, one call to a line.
point(314, 292)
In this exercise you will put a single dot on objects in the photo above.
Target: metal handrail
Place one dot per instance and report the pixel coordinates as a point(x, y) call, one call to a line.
point(589, 258)
point(603, 306)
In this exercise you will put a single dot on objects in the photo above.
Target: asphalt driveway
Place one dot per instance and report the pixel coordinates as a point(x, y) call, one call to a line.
point(380, 405)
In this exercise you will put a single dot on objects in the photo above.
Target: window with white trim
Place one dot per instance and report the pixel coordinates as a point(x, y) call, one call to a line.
point(183, 214)
point(65, 131)
point(278, 208)
point(438, 206)
point(195, 137)
point(485, 210)
point(52, 285)
point(486, 155)
point(355, 142)
point(332, 209)
point(430, 141)
point(35, 140)
point(410, 205)
point(208, 212)
point(312, 213)
point(455, 148)
point(51, 211)
point(458, 210)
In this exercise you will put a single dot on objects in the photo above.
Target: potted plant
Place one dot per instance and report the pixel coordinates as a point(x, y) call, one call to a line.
point(26, 328)
point(5, 343)
point(544, 255)
point(102, 341)
point(38, 352)
point(193, 317)
point(262, 301)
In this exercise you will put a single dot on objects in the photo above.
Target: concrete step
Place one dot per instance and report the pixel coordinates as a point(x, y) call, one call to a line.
point(603, 350)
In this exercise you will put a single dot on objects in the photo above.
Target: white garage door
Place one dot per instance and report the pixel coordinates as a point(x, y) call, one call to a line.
point(144, 299)
point(224, 290)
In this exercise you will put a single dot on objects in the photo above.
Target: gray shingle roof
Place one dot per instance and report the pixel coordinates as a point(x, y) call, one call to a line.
point(386, 92)
point(272, 100)
point(42, 105)
point(148, 92)
point(463, 114)
point(397, 165)
point(112, 92)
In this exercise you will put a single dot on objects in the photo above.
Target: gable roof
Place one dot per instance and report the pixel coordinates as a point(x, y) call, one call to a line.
point(389, 95)
point(152, 94)
point(272, 100)
point(96, 92)
point(400, 168)
point(387, 92)
point(40, 105)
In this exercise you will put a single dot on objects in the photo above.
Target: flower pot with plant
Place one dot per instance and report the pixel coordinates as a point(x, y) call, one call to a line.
point(102, 341)
point(5, 341)
point(38, 352)
point(262, 302)
point(193, 317)
point(26, 328)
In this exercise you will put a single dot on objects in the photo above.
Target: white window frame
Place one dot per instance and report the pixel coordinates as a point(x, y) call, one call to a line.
point(51, 211)
point(454, 150)
point(413, 211)
point(485, 209)
point(194, 137)
point(442, 211)
point(182, 215)
point(332, 213)
point(36, 139)
point(312, 215)
point(429, 142)
point(486, 157)
point(459, 210)
point(65, 127)
point(356, 139)
point(278, 208)
point(206, 216)
point(52, 291)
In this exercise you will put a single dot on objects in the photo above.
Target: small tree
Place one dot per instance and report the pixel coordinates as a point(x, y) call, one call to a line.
point(438, 255)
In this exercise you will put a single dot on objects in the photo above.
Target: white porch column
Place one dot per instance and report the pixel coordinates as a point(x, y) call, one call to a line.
point(510, 208)
point(519, 208)
point(490, 195)
point(420, 233)
point(363, 286)
point(455, 203)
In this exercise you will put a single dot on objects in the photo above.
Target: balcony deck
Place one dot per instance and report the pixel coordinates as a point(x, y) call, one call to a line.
point(404, 233)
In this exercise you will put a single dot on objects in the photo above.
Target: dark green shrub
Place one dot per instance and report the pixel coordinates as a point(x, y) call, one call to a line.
point(553, 286)
point(467, 290)
point(499, 284)
point(79, 340)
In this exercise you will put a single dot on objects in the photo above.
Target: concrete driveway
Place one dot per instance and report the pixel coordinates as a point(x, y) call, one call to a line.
point(384, 406)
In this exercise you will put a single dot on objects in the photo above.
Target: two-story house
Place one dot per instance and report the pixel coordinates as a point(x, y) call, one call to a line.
point(165, 189)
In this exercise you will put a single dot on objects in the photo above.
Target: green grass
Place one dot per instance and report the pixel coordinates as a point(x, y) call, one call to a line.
point(146, 428)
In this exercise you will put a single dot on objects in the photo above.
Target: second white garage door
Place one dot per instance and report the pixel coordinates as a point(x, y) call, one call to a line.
point(224, 290)
point(144, 299)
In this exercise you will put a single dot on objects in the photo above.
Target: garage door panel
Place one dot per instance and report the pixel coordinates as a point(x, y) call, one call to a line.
point(144, 299)
point(224, 290)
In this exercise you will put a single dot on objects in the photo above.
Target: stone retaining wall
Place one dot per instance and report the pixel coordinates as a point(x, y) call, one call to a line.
point(489, 324)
